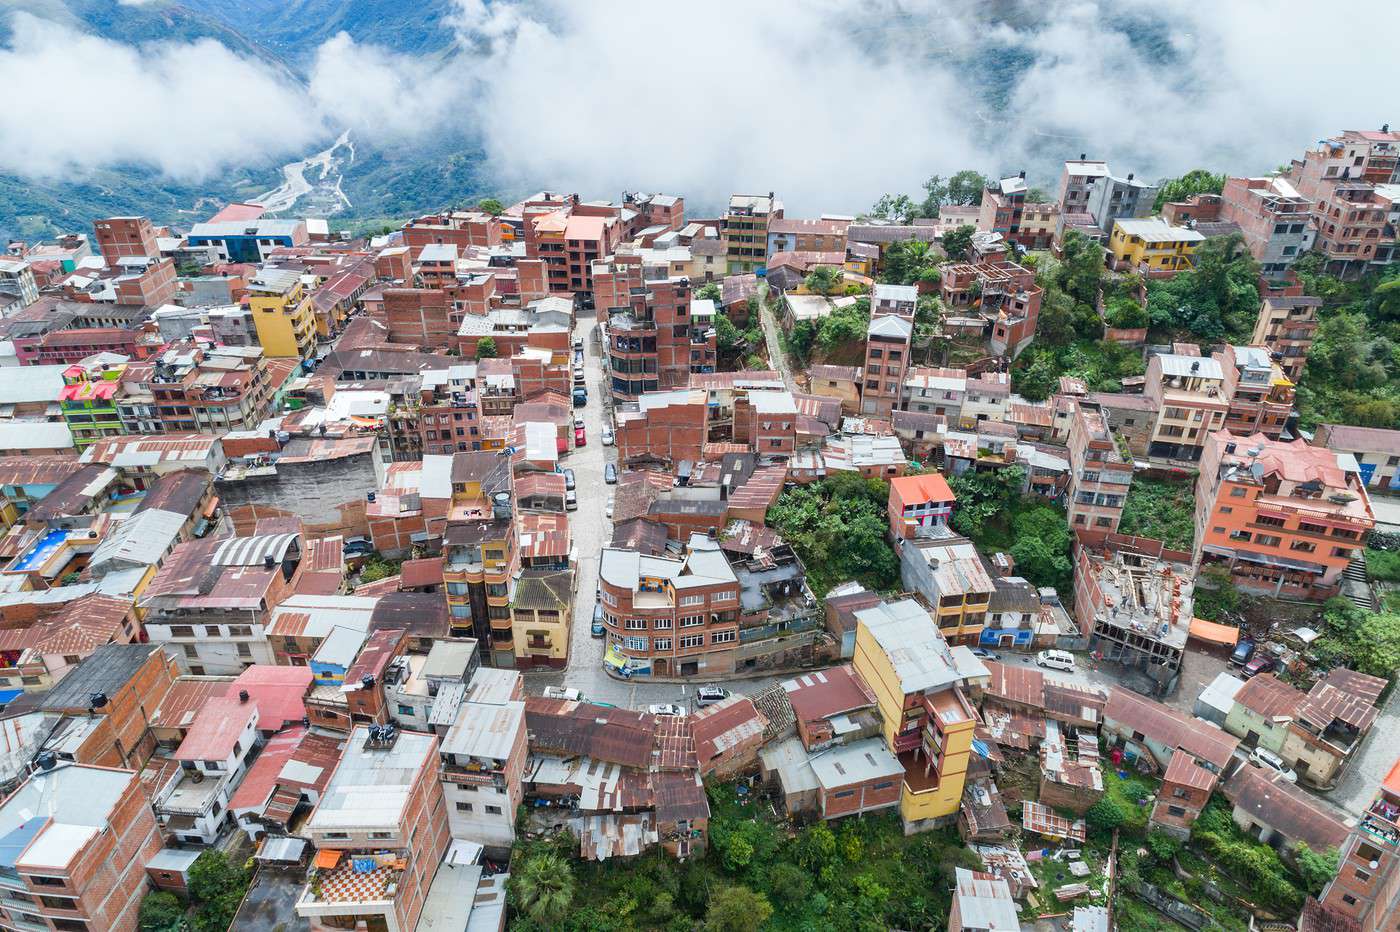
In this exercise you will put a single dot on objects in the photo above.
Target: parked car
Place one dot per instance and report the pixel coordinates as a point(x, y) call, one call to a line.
point(985, 654)
point(665, 708)
point(610, 474)
point(580, 437)
point(578, 421)
point(562, 692)
point(578, 375)
point(1262, 663)
point(709, 695)
point(607, 437)
point(357, 547)
point(571, 500)
point(608, 510)
point(1244, 649)
point(1055, 660)
point(597, 628)
point(569, 483)
point(578, 344)
point(580, 397)
point(1263, 757)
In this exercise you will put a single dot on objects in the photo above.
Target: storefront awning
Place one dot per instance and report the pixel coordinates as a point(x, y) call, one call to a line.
point(1212, 633)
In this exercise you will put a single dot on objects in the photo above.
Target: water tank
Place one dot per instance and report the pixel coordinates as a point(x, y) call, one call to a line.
point(97, 700)
point(46, 760)
point(500, 506)
point(367, 681)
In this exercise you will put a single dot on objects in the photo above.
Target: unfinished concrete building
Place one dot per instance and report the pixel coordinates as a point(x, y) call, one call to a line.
point(1133, 600)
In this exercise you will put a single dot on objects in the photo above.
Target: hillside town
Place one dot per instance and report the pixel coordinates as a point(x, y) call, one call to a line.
point(1002, 559)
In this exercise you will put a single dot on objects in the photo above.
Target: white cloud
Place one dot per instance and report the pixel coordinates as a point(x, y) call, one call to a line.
point(828, 102)
point(187, 109)
point(376, 93)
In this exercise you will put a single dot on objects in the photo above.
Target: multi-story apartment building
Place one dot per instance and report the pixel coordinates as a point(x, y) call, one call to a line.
point(248, 240)
point(670, 425)
point(1339, 178)
point(1099, 473)
point(190, 389)
point(18, 287)
point(1005, 210)
point(483, 764)
point(1088, 187)
point(88, 399)
point(946, 569)
point(462, 228)
point(926, 720)
point(887, 350)
point(1261, 396)
point(421, 317)
point(482, 553)
point(124, 237)
point(744, 228)
point(1285, 518)
point(282, 313)
point(78, 840)
point(789, 234)
point(1287, 325)
point(380, 831)
point(671, 617)
point(1366, 888)
point(1273, 217)
point(1188, 393)
point(445, 416)
point(656, 335)
point(192, 803)
point(568, 236)
point(210, 603)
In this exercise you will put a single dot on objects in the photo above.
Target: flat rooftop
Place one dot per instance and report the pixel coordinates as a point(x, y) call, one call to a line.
point(371, 785)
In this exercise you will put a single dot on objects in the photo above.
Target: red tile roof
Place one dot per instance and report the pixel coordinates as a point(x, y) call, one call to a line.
point(185, 698)
point(925, 487)
point(279, 692)
point(1184, 771)
point(419, 573)
point(825, 693)
point(1170, 728)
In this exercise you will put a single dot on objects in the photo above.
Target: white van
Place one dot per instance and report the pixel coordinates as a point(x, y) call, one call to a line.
point(1055, 660)
point(1263, 757)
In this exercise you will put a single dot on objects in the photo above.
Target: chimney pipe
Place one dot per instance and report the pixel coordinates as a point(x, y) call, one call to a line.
point(1083, 156)
point(1130, 176)
point(1022, 176)
point(243, 695)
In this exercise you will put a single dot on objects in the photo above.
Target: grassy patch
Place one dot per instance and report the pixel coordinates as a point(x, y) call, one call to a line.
point(1162, 509)
point(1126, 792)
point(1383, 565)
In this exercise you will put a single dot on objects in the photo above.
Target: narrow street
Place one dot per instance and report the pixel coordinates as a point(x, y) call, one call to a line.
point(772, 336)
point(592, 530)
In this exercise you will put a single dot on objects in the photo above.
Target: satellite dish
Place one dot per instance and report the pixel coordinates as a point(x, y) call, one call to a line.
point(1257, 471)
point(1255, 451)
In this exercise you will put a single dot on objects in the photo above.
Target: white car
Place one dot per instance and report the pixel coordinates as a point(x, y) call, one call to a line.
point(709, 695)
point(665, 708)
point(609, 510)
point(607, 436)
point(562, 692)
point(1263, 757)
point(578, 422)
point(1055, 660)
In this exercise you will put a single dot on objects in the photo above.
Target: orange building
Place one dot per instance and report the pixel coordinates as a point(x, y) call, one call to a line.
point(919, 502)
point(1285, 517)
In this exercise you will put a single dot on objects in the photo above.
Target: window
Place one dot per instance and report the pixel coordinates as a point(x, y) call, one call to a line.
point(662, 643)
point(724, 637)
point(662, 624)
point(493, 810)
point(337, 836)
point(690, 621)
point(191, 651)
point(1267, 540)
point(240, 631)
point(406, 710)
point(181, 631)
point(693, 600)
point(635, 624)
point(1237, 492)
point(244, 650)
point(464, 807)
point(211, 631)
point(1176, 810)
point(844, 794)
point(381, 835)
point(693, 640)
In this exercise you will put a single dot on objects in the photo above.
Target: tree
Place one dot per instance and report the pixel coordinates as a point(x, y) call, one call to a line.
point(935, 196)
point(965, 188)
point(1039, 380)
point(710, 291)
point(737, 909)
point(823, 280)
point(957, 242)
point(1125, 314)
point(1196, 181)
point(907, 260)
point(897, 208)
point(486, 348)
point(1080, 269)
point(161, 911)
point(789, 883)
point(544, 888)
point(816, 846)
point(492, 206)
point(217, 887)
point(728, 340)
point(1316, 868)
point(1041, 548)
point(1104, 816)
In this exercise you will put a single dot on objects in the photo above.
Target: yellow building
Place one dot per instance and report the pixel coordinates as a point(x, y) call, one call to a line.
point(928, 723)
point(481, 553)
point(282, 313)
point(540, 618)
point(1152, 246)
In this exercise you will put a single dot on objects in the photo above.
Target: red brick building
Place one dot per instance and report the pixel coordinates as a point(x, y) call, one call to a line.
point(122, 237)
point(667, 425)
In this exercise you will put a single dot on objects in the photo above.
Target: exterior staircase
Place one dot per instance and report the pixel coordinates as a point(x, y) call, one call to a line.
point(1356, 585)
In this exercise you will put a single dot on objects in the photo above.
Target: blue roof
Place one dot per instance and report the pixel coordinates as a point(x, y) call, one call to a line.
point(9, 695)
point(13, 844)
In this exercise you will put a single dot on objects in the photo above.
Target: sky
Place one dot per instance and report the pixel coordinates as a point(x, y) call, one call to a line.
point(829, 102)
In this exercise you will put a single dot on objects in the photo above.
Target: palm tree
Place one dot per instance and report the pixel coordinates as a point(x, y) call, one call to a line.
point(823, 280)
point(545, 888)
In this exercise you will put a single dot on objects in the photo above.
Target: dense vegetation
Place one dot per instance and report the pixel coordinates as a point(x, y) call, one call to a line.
point(1353, 371)
point(844, 327)
point(838, 528)
point(1196, 181)
point(963, 189)
point(216, 888)
point(858, 874)
point(995, 515)
point(1162, 509)
point(1215, 301)
point(1362, 640)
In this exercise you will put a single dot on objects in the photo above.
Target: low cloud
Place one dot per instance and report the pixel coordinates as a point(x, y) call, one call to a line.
point(828, 102)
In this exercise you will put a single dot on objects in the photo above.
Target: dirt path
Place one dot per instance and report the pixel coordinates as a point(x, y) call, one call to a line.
point(773, 337)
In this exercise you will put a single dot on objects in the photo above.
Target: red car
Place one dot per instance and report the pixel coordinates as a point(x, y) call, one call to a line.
point(580, 438)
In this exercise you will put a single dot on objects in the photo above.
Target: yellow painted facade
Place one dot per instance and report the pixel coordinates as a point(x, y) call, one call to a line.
point(286, 323)
point(1168, 249)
